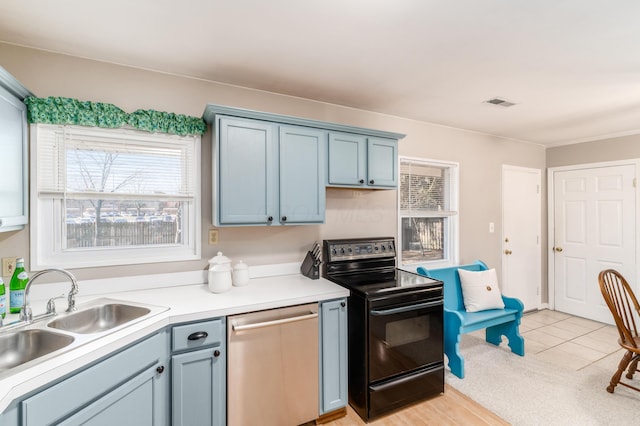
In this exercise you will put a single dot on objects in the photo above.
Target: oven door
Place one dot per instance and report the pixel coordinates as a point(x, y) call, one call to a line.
point(405, 334)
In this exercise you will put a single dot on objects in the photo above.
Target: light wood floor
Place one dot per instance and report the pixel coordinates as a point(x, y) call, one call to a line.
point(451, 408)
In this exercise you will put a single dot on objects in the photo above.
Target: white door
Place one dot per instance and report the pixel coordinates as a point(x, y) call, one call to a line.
point(594, 229)
point(521, 232)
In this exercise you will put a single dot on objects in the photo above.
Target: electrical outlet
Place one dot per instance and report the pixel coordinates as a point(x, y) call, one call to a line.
point(8, 266)
point(213, 237)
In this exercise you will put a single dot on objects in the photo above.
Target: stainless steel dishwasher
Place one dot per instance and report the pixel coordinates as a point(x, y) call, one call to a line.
point(272, 367)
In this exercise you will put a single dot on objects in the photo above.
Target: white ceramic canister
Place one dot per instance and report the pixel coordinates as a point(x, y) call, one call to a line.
point(240, 274)
point(219, 273)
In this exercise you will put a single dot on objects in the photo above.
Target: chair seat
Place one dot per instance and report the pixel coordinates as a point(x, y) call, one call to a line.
point(631, 346)
point(470, 319)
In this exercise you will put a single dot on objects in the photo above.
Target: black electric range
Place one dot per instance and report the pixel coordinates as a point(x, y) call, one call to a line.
point(395, 326)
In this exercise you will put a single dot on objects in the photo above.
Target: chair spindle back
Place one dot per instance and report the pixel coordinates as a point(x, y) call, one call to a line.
point(622, 303)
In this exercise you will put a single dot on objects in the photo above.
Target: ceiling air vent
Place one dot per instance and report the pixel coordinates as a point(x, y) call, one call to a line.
point(500, 102)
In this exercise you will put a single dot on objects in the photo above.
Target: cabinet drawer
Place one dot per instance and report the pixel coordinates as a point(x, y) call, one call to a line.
point(197, 335)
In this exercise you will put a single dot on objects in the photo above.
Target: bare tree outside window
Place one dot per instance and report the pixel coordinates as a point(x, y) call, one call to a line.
point(112, 221)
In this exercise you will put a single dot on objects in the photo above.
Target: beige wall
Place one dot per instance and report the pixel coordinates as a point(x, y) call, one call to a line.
point(621, 148)
point(349, 213)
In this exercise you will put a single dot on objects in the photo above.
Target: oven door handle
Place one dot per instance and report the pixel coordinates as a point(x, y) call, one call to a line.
point(410, 308)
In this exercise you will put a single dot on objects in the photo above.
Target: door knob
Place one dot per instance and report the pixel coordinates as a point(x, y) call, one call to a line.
point(508, 252)
point(558, 249)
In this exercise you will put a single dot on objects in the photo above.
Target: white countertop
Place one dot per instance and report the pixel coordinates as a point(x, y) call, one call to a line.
point(185, 303)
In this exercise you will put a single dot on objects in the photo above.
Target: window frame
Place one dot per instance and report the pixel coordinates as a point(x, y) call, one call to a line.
point(47, 218)
point(451, 251)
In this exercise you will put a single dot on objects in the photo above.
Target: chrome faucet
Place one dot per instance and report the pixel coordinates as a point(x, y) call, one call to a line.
point(25, 313)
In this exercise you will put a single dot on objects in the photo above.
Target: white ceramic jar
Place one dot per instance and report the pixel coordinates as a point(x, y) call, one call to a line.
point(220, 273)
point(240, 274)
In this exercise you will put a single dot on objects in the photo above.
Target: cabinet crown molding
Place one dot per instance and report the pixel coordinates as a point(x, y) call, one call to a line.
point(212, 110)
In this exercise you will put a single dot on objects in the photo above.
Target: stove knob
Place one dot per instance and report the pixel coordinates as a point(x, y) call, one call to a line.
point(342, 250)
point(350, 250)
point(334, 251)
point(390, 247)
point(376, 248)
point(383, 248)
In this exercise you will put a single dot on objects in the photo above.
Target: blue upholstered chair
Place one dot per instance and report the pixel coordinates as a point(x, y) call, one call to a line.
point(457, 321)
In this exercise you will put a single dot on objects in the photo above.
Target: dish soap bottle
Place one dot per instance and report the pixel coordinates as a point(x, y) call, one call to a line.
point(3, 299)
point(16, 287)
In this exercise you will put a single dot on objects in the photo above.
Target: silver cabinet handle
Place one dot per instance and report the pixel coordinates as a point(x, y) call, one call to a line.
point(272, 323)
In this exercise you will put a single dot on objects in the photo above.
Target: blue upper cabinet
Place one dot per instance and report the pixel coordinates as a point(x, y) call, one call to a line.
point(362, 162)
point(246, 160)
point(13, 145)
point(302, 174)
point(271, 169)
point(268, 174)
point(382, 162)
point(347, 159)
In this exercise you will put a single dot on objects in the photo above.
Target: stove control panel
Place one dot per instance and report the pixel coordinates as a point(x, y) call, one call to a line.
point(339, 250)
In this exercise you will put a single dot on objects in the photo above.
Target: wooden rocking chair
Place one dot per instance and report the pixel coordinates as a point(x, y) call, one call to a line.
point(624, 306)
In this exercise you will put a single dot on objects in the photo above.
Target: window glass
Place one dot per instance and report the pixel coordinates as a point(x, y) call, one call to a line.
point(427, 211)
point(113, 196)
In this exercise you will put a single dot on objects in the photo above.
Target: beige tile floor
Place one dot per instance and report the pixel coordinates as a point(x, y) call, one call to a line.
point(569, 341)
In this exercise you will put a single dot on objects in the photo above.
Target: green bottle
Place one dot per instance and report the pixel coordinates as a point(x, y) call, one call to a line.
point(17, 285)
point(3, 299)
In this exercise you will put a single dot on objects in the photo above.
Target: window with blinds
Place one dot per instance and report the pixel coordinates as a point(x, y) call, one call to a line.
point(427, 211)
point(113, 196)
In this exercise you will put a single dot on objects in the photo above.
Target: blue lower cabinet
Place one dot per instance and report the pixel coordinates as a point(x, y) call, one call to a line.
point(198, 374)
point(333, 355)
point(130, 387)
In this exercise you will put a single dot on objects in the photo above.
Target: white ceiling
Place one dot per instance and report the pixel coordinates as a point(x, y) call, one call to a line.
point(571, 66)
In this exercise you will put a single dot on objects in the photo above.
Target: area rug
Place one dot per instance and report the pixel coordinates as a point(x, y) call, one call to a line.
point(528, 391)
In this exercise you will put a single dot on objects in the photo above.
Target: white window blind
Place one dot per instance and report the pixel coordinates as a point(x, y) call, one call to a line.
point(114, 164)
point(425, 188)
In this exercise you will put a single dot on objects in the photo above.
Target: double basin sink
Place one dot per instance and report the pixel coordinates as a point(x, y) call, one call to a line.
point(36, 341)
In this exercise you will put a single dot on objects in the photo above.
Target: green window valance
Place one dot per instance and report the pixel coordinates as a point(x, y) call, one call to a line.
point(57, 110)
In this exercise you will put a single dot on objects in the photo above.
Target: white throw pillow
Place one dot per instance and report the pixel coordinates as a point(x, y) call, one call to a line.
point(480, 290)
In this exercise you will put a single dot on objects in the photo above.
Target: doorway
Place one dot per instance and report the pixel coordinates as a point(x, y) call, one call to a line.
point(521, 235)
point(592, 226)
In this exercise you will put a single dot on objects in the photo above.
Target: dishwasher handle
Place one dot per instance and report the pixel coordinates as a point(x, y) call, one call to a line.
point(272, 323)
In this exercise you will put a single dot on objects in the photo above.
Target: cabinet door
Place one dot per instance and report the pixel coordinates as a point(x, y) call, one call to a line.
point(382, 162)
point(109, 390)
point(130, 403)
point(333, 359)
point(199, 388)
point(246, 172)
point(347, 159)
point(13, 145)
point(302, 174)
